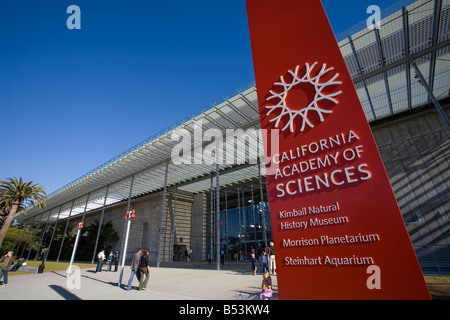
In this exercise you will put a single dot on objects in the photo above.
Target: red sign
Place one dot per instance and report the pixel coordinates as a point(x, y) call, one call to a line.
point(337, 228)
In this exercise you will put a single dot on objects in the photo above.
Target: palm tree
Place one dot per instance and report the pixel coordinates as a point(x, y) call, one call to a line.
point(3, 214)
point(16, 194)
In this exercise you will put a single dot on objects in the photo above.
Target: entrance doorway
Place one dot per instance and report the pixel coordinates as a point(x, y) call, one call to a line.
point(179, 252)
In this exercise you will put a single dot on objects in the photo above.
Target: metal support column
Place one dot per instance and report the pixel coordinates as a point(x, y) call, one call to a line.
point(263, 211)
point(74, 251)
point(217, 217)
point(163, 208)
point(406, 44)
point(43, 236)
point(244, 222)
point(34, 236)
point(173, 226)
point(430, 94)
point(21, 238)
point(100, 224)
point(252, 201)
point(79, 227)
point(26, 241)
point(127, 232)
point(239, 220)
point(226, 221)
point(53, 233)
point(211, 224)
point(65, 232)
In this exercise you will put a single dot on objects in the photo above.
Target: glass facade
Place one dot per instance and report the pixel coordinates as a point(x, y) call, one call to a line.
point(242, 230)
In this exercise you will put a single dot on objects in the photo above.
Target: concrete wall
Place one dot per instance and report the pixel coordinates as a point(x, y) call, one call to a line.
point(145, 227)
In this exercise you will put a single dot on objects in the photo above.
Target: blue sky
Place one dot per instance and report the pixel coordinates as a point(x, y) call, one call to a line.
point(71, 100)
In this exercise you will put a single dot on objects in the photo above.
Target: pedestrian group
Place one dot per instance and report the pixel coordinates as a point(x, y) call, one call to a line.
point(140, 267)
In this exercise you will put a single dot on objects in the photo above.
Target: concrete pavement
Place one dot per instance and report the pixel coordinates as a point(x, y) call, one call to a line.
point(174, 281)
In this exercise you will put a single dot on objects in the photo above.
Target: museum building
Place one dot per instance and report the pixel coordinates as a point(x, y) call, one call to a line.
point(188, 193)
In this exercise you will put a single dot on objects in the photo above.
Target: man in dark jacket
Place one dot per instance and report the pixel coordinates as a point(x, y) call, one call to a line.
point(7, 261)
point(145, 270)
point(116, 260)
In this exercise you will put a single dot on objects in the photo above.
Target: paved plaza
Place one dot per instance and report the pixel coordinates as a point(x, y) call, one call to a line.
point(176, 281)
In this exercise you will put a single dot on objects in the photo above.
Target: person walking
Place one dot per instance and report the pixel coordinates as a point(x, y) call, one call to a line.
point(135, 268)
point(109, 261)
point(264, 262)
point(253, 263)
point(116, 260)
point(145, 270)
point(272, 266)
point(100, 258)
point(7, 260)
point(222, 256)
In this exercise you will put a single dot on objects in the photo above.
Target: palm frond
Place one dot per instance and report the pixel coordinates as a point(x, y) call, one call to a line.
point(23, 194)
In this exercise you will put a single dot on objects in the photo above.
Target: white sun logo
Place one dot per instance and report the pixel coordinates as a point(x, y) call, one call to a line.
point(313, 106)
